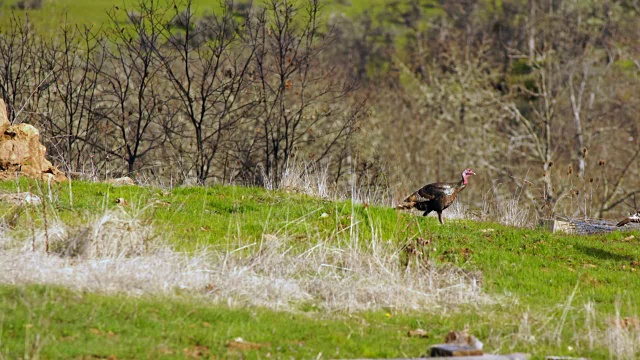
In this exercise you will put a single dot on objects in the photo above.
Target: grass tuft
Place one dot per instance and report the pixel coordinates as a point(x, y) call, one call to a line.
point(115, 234)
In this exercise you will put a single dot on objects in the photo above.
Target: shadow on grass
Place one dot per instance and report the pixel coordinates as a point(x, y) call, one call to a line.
point(603, 254)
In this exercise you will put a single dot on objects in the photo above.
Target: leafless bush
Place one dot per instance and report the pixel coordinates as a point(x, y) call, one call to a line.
point(134, 18)
point(182, 20)
point(18, 66)
point(75, 60)
point(208, 77)
point(135, 103)
point(304, 108)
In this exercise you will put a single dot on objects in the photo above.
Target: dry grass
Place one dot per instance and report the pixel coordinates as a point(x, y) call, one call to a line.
point(115, 234)
point(117, 252)
point(507, 209)
point(457, 210)
point(622, 337)
point(512, 212)
point(304, 177)
point(353, 279)
point(312, 178)
point(308, 178)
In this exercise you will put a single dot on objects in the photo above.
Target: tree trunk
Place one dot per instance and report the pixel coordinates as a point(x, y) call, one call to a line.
point(531, 29)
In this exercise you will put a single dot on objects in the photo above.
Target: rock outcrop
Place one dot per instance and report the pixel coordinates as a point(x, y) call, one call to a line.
point(21, 153)
point(125, 180)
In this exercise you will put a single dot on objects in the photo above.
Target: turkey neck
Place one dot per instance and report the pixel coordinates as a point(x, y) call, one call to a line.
point(462, 184)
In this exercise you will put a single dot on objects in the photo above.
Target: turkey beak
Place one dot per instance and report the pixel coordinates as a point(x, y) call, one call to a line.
point(473, 173)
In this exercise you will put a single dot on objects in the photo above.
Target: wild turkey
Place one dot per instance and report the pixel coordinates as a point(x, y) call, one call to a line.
point(437, 196)
point(633, 218)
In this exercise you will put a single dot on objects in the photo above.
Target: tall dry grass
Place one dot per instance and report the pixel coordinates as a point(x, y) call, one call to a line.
point(119, 252)
point(589, 329)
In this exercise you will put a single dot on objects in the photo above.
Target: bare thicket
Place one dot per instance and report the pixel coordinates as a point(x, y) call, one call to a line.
point(534, 94)
point(135, 110)
point(75, 61)
point(538, 97)
point(305, 104)
point(206, 62)
point(17, 65)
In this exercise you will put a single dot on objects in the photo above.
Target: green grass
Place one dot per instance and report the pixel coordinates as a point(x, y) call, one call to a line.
point(61, 324)
point(93, 13)
point(535, 271)
point(56, 323)
point(54, 13)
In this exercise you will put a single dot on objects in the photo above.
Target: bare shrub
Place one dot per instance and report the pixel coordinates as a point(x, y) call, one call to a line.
point(135, 101)
point(18, 65)
point(304, 107)
point(69, 111)
point(208, 74)
point(134, 18)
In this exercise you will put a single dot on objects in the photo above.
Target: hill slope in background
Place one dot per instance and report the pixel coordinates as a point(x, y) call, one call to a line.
point(53, 13)
point(145, 272)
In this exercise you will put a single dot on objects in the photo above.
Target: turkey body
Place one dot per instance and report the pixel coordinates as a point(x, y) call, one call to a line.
point(436, 197)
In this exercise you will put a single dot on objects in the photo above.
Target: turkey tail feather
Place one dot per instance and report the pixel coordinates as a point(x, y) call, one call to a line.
point(633, 218)
point(623, 222)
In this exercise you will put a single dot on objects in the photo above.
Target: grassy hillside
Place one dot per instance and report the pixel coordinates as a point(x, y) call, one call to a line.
point(181, 272)
point(52, 13)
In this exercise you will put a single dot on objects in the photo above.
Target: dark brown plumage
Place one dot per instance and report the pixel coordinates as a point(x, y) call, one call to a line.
point(437, 196)
point(633, 218)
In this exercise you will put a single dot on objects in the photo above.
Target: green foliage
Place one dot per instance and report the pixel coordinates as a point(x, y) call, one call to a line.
point(626, 67)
